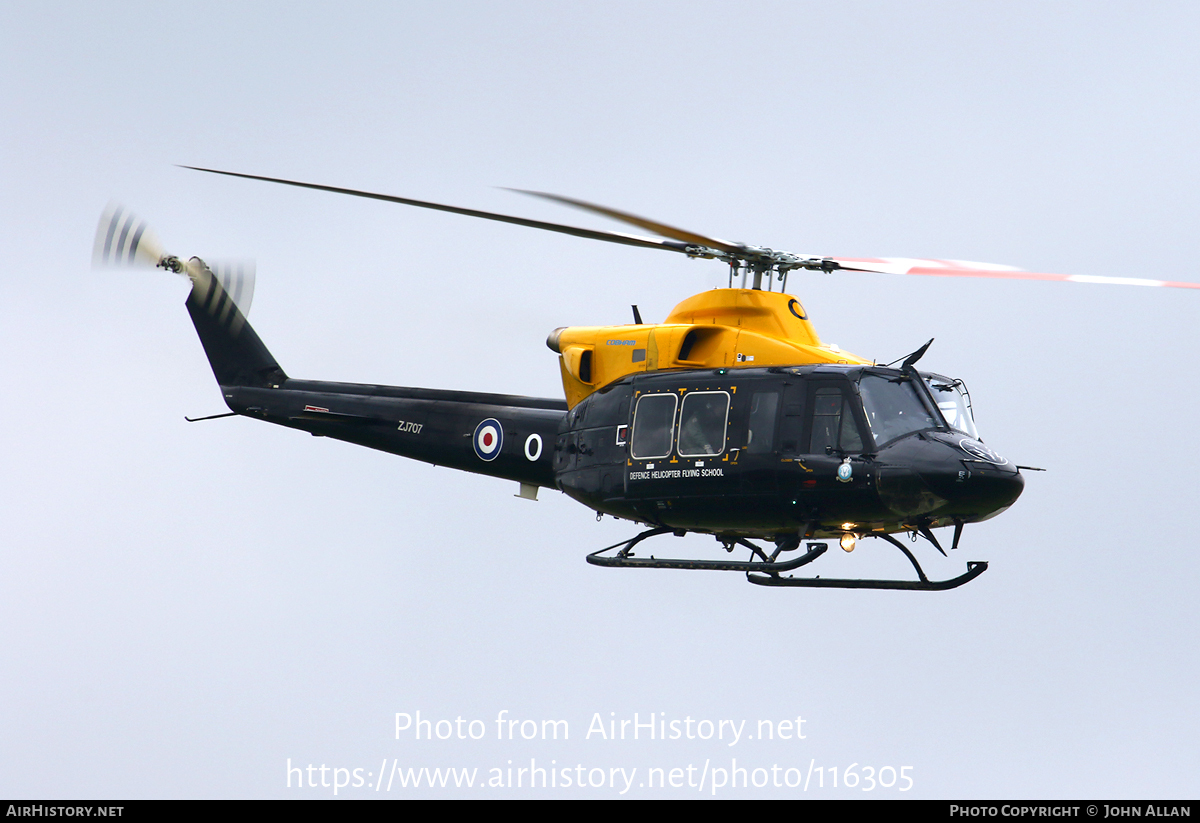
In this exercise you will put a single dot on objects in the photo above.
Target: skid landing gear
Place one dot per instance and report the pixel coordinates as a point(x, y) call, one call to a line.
point(923, 583)
point(760, 561)
point(764, 570)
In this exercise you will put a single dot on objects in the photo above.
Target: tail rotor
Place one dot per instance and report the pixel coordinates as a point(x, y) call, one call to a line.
point(125, 240)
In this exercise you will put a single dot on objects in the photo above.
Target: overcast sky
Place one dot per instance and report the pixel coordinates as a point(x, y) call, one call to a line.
point(187, 607)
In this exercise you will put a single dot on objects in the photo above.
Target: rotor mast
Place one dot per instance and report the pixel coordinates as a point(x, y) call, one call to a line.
point(742, 258)
point(757, 261)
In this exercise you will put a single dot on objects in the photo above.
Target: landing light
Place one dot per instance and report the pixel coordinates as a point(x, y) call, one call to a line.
point(847, 542)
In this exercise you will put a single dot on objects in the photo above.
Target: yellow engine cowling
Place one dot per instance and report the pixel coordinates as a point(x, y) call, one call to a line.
point(722, 328)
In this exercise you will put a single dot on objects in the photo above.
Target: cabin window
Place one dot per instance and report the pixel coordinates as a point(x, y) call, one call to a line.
point(894, 408)
point(760, 434)
point(833, 424)
point(653, 426)
point(702, 423)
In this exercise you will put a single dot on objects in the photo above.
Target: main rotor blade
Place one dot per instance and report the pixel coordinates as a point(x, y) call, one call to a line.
point(591, 234)
point(681, 235)
point(698, 245)
point(964, 268)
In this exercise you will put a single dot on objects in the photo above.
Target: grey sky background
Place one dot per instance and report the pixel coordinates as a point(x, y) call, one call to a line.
point(186, 607)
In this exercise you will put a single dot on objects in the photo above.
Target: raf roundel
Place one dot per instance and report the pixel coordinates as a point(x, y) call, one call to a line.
point(489, 437)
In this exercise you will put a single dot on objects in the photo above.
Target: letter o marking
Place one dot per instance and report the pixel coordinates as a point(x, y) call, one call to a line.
point(797, 309)
point(533, 447)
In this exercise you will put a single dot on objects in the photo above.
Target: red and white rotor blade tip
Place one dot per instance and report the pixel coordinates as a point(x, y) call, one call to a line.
point(966, 268)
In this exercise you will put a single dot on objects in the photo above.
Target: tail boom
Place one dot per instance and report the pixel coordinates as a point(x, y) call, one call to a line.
point(498, 435)
point(438, 427)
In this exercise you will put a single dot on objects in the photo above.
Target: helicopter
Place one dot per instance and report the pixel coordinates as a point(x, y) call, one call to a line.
point(730, 418)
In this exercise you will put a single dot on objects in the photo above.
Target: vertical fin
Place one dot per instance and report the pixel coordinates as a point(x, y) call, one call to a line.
point(235, 352)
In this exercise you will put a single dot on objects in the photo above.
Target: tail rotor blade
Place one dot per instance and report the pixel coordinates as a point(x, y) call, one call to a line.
point(237, 278)
point(223, 289)
point(124, 239)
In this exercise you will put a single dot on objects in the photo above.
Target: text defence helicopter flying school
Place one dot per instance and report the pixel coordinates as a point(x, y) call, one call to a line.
point(729, 418)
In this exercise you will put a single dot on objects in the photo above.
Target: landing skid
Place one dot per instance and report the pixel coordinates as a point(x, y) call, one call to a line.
point(923, 583)
point(624, 559)
point(763, 569)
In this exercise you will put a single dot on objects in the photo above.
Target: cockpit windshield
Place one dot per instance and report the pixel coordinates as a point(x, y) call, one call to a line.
point(955, 403)
point(894, 407)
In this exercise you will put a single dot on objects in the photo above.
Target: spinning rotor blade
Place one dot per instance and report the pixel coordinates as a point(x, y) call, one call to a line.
point(124, 239)
point(964, 268)
point(237, 278)
point(736, 254)
point(591, 234)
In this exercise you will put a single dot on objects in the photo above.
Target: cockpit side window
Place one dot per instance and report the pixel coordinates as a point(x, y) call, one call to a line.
point(954, 402)
point(791, 425)
point(894, 408)
point(833, 423)
point(760, 434)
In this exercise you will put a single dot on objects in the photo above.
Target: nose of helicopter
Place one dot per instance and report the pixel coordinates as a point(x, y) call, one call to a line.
point(986, 492)
point(953, 476)
point(975, 480)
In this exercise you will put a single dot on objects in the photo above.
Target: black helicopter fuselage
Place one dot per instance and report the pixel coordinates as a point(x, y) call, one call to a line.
point(762, 452)
point(758, 452)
